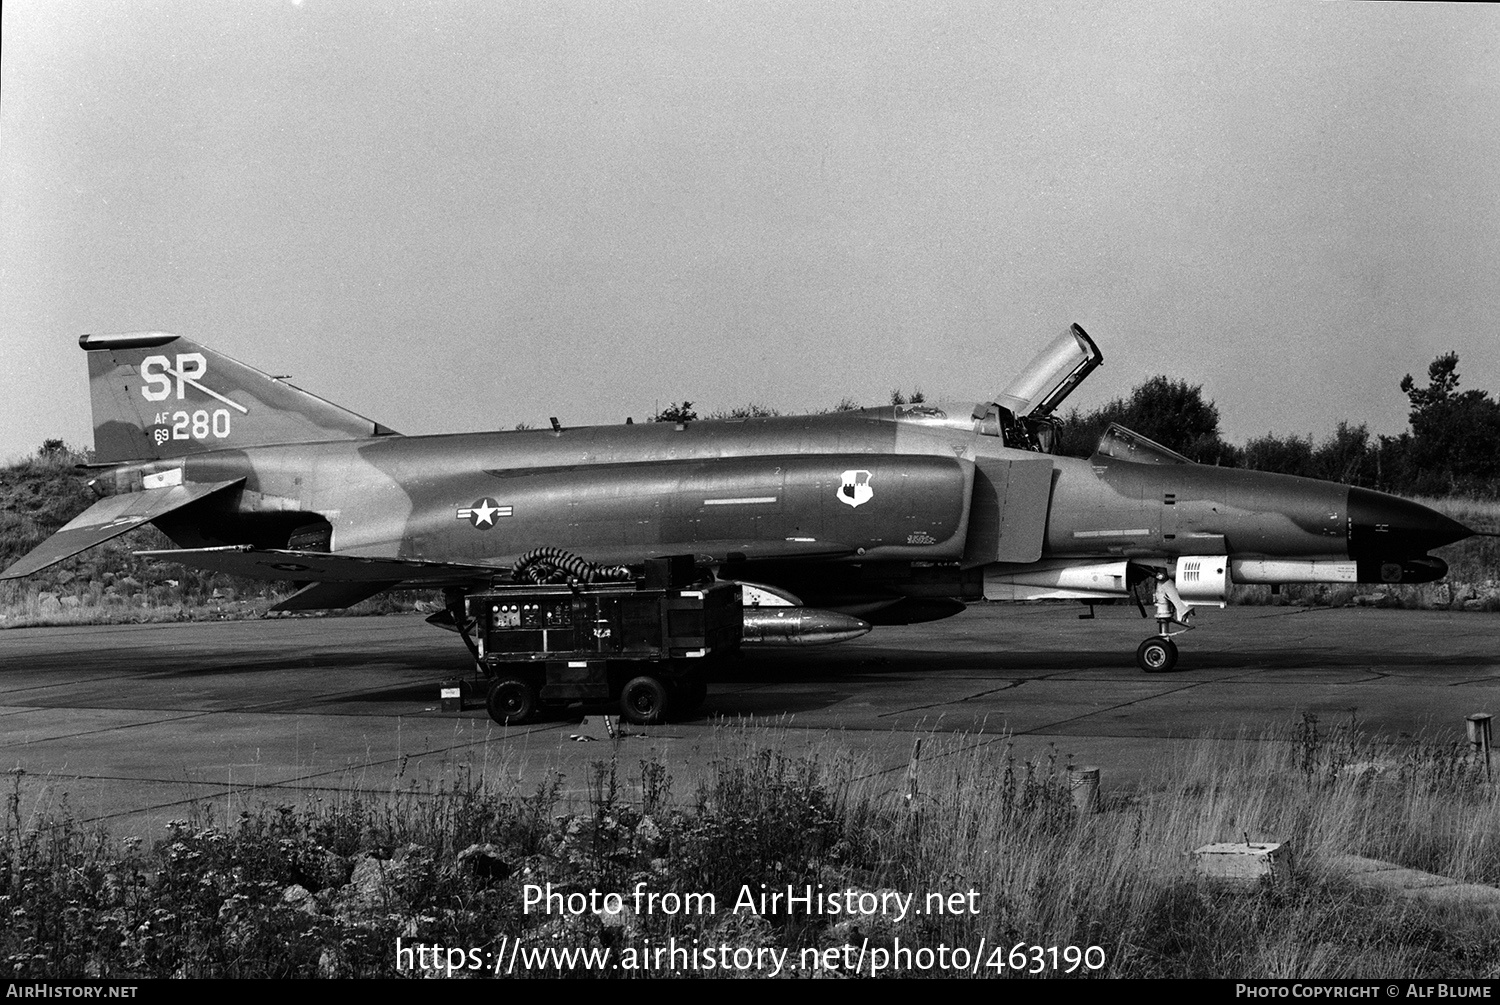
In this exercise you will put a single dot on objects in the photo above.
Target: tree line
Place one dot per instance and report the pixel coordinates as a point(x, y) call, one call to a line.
point(1452, 446)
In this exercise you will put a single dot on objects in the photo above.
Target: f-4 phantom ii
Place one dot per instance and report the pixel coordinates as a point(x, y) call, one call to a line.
point(832, 523)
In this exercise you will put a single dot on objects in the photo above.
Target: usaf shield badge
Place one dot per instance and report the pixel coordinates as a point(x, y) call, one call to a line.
point(855, 490)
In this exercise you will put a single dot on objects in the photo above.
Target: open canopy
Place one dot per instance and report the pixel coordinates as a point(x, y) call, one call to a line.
point(1051, 376)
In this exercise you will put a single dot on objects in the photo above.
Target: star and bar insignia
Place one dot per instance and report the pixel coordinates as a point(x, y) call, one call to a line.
point(484, 513)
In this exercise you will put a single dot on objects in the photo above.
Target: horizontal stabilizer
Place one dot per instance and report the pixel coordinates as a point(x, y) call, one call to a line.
point(111, 517)
point(327, 596)
point(322, 567)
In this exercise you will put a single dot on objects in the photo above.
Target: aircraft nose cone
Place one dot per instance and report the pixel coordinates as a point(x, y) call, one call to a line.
point(1385, 525)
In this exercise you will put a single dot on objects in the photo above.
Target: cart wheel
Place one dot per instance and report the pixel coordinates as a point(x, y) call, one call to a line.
point(689, 696)
point(643, 700)
point(1156, 655)
point(511, 701)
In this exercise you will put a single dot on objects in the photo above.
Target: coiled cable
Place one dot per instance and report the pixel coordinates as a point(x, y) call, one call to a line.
point(545, 566)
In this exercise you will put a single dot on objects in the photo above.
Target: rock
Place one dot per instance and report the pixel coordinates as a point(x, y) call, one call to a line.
point(374, 885)
point(625, 920)
point(332, 870)
point(484, 861)
point(648, 833)
point(331, 965)
point(406, 851)
point(69, 602)
point(366, 886)
point(48, 603)
point(299, 898)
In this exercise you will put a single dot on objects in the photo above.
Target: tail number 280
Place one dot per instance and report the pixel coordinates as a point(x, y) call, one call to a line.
point(199, 425)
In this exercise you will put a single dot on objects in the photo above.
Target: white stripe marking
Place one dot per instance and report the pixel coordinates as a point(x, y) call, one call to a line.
point(209, 391)
point(740, 501)
point(1110, 533)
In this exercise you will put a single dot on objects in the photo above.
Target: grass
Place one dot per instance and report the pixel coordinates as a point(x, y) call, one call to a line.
point(326, 889)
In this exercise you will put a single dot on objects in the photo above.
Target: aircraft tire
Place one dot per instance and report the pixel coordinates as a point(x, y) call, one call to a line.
point(1156, 655)
point(511, 701)
point(644, 700)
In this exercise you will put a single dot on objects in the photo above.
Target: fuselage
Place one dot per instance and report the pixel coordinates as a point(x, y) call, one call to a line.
point(902, 512)
point(902, 501)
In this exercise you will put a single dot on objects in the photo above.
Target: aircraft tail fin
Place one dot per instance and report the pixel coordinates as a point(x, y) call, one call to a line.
point(157, 396)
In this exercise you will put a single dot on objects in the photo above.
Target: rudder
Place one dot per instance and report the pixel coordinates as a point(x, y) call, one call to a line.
point(157, 396)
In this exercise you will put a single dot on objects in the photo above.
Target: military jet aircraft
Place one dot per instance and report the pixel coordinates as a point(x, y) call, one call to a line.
point(832, 522)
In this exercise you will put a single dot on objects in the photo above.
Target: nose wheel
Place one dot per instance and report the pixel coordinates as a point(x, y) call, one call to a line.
point(1157, 654)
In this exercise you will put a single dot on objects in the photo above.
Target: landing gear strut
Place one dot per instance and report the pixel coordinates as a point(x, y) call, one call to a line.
point(1158, 654)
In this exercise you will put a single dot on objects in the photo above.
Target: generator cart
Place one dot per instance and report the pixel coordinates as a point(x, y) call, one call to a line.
point(643, 644)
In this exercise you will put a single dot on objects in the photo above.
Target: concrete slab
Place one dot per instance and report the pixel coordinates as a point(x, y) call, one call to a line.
point(134, 720)
point(1426, 886)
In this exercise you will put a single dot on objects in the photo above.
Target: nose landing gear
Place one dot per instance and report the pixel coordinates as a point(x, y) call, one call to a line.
point(1158, 654)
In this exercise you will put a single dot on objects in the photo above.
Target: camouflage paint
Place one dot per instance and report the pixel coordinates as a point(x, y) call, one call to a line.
point(872, 512)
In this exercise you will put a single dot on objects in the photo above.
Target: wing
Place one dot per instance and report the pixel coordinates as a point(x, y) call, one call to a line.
point(333, 580)
point(321, 566)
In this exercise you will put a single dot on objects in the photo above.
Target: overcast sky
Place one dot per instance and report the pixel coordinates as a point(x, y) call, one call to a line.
point(457, 216)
